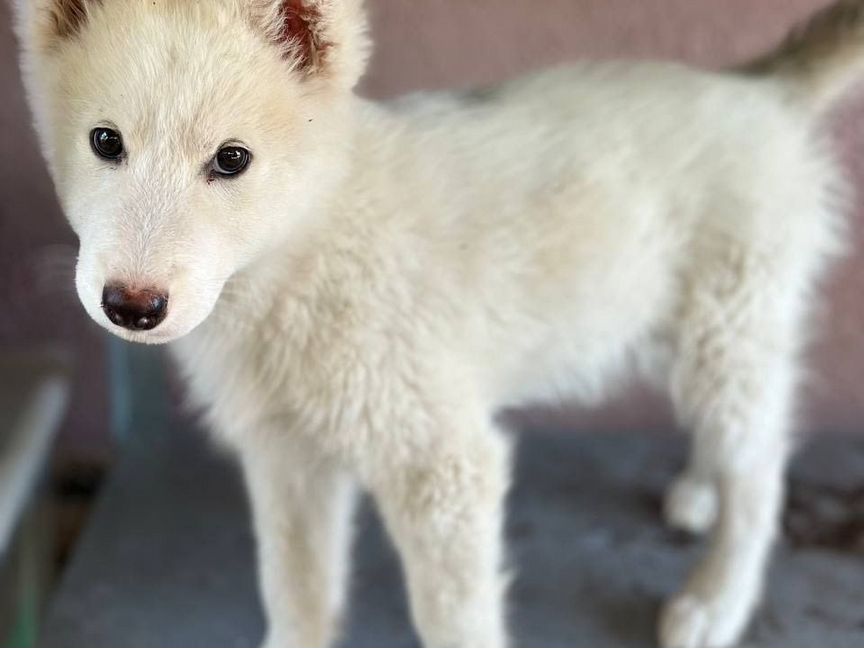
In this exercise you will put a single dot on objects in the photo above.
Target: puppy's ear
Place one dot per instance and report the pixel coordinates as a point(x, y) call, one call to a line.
point(65, 18)
point(323, 39)
point(46, 23)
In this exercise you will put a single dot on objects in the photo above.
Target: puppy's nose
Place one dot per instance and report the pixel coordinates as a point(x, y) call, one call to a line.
point(136, 310)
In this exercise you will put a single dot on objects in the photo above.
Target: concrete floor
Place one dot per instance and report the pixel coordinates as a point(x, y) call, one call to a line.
point(167, 561)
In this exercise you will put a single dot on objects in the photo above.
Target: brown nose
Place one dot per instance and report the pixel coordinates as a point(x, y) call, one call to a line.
point(136, 310)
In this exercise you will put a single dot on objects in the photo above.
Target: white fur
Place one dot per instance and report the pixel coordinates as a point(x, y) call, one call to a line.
point(355, 308)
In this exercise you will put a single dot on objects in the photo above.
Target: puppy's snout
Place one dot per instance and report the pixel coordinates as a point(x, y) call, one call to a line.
point(136, 310)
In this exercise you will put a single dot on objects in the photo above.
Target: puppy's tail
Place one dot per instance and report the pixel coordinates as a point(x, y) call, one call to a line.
point(823, 58)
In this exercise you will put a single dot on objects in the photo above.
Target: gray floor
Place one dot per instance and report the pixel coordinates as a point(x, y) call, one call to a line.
point(167, 562)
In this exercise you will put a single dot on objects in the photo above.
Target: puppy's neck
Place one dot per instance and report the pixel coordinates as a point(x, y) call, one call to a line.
point(344, 216)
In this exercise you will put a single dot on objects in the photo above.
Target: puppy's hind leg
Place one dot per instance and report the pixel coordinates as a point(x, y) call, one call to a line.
point(734, 380)
point(691, 501)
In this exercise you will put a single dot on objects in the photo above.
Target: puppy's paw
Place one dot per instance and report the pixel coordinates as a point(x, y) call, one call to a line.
point(273, 641)
point(691, 505)
point(688, 621)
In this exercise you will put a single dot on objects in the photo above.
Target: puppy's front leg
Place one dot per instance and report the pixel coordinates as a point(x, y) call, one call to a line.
point(443, 507)
point(302, 508)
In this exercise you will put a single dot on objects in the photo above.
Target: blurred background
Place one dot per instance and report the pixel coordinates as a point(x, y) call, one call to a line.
point(77, 393)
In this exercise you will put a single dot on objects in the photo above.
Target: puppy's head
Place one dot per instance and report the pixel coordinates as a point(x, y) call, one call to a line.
point(186, 139)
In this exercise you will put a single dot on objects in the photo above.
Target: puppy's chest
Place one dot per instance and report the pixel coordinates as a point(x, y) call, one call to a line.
point(298, 372)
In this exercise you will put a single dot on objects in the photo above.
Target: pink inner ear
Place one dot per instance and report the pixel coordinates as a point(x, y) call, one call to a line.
point(299, 22)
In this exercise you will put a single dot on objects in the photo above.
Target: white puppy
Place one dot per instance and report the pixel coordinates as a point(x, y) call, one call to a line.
point(354, 289)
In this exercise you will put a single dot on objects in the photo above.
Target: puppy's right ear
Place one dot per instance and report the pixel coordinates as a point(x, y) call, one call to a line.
point(45, 24)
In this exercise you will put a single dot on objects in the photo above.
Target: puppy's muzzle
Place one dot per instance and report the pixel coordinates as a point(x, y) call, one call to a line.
point(133, 309)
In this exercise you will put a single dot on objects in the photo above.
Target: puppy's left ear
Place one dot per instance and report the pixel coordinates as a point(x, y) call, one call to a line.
point(321, 39)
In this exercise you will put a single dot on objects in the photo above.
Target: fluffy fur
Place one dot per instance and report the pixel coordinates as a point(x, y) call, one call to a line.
point(354, 309)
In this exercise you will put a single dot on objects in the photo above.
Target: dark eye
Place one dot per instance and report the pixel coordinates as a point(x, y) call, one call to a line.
point(106, 143)
point(231, 160)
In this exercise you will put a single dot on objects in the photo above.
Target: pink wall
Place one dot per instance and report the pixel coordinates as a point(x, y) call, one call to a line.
point(38, 305)
point(445, 43)
point(440, 44)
